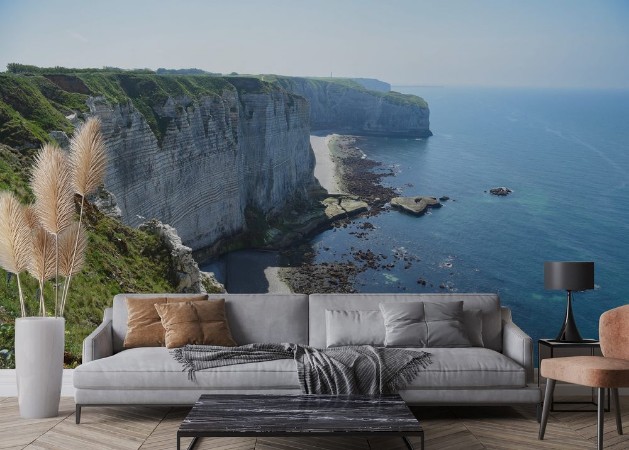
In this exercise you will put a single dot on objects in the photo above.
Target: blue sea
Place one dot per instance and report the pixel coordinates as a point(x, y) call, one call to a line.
point(565, 155)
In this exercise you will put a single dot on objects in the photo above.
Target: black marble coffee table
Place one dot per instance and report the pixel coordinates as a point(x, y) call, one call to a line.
point(299, 415)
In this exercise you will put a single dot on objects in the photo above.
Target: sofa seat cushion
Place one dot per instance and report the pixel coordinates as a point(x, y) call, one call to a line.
point(463, 368)
point(155, 368)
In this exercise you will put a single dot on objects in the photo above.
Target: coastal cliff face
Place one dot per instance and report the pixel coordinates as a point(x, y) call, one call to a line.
point(347, 107)
point(215, 157)
point(219, 155)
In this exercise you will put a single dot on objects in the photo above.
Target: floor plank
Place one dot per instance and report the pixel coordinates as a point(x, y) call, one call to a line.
point(446, 428)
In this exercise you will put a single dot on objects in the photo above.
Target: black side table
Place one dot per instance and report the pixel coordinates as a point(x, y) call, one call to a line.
point(553, 344)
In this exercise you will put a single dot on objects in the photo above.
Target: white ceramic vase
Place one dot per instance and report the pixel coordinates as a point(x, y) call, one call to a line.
point(39, 345)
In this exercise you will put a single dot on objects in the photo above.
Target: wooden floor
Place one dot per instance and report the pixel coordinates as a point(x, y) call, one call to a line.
point(466, 428)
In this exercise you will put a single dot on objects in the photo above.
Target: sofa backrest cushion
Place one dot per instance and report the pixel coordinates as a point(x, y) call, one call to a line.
point(354, 328)
point(251, 317)
point(489, 304)
point(424, 324)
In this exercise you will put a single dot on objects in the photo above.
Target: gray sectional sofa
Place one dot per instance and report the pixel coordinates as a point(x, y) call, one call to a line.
point(499, 372)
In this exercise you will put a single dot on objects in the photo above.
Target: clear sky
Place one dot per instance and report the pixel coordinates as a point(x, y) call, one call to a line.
point(545, 43)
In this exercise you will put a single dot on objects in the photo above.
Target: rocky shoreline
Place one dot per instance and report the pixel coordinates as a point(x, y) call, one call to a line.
point(362, 178)
point(355, 176)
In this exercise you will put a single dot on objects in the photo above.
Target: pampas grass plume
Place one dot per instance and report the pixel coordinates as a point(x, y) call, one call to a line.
point(88, 157)
point(15, 237)
point(50, 182)
point(31, 217)
point(42, 263)
point(70, 262)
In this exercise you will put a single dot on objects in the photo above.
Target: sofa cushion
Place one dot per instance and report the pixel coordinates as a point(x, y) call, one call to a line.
point(462, 368)
point(144, 327)
point(201, 323)
point(489, 304)
point(155, 368)
point(354, 328)
point(419, 324)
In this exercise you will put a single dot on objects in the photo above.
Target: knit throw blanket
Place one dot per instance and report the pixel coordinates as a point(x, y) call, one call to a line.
point(334, 371)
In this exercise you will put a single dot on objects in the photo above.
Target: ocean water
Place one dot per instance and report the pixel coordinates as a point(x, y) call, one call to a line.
point(565, 155)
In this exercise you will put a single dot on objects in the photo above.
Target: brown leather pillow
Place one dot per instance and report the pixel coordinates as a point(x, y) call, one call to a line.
point(144, 326)
point(195, 323)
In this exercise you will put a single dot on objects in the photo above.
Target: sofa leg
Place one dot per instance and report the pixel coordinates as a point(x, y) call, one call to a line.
point(548, 399)
point(77, 414)
point(614, 392)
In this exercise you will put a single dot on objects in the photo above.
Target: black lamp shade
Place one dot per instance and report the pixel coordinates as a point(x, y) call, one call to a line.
point(569, 275)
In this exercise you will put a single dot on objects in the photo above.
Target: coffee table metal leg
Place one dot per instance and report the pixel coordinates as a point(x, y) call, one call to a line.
point(409, 445)
point(193, 443)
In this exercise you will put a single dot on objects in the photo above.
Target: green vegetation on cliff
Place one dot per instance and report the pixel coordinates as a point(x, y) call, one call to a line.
point(27, 115)
point(119, 259)
point(35, 101)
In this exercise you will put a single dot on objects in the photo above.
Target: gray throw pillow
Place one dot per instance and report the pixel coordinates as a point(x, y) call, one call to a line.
point(353, 328)
point(473, 323)
point(404, 324)
point(424, 324)
point(445, 324)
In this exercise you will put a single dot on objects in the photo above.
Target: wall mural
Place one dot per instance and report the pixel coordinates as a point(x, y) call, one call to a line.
point(278, 184)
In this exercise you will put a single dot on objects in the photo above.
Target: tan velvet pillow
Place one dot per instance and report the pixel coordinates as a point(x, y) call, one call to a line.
point(202, 323)
point(144, 326)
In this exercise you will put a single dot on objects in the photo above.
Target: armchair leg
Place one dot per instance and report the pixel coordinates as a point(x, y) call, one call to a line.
point(600, 417)
point(616, 399)
point(548, 399)
point(77, 414)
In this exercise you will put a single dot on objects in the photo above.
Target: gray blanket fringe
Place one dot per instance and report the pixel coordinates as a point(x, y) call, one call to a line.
point(338, 370)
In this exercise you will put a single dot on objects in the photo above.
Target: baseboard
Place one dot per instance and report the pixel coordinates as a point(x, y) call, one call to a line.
point(8, 384)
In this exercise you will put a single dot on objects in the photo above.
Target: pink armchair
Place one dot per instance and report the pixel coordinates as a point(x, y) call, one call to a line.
point(602, 372)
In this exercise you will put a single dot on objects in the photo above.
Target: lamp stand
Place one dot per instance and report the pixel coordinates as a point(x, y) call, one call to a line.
point(569, 331)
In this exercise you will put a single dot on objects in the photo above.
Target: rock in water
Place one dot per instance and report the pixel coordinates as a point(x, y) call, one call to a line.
point(501, 191)
point(415, 205)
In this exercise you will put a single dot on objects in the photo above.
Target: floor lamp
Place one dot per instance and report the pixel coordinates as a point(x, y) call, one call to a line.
point(570, 276)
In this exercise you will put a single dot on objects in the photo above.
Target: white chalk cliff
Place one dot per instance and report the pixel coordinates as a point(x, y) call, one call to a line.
point(218, 155)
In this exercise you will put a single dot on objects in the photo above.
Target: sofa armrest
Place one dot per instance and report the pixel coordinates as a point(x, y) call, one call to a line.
point(99, 344)
point(517, 345)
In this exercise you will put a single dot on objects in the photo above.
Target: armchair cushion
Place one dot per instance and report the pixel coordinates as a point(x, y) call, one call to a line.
point(593, 371)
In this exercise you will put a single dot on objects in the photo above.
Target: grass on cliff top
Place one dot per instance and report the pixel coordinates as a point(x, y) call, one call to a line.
point(286, 81)
point(119, 259)
point(27, 115)
point(33, 105)
point(347, 83)
point(404, 99)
